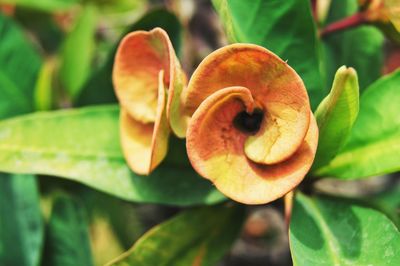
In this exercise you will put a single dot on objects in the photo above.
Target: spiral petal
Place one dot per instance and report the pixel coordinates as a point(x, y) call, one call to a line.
point(215, 149)
point(276, 88)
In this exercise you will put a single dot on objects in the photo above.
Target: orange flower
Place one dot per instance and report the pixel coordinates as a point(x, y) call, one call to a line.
point(385, 14)
point(385, 11)
point(252, 132)
point(148, 81)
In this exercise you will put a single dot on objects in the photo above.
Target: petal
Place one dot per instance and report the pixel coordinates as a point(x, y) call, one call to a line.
point(175, 110)
point(276, 88)
point(281, 134)
point(216, 150)
point(145, 145)
point(139, 58)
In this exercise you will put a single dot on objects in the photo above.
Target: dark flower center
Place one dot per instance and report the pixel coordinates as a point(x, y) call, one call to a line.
point(248, 123)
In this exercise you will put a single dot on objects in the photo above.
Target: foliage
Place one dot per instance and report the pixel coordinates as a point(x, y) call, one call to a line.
point(209, 233)
point(338, 232)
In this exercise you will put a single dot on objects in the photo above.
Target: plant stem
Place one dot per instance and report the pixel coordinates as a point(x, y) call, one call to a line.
point(346, 23)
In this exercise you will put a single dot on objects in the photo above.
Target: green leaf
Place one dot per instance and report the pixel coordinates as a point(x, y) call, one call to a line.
point(99, 88)
point(77, 52)
point(42, 27)
point(21, 224)
point(373, 147)
point(113, 7)
point(195, 237)
point(43, 96)
point(284, 27)
point(336, 115)
point(20, 65)
point(44, 5)
point(388, 201)
point(329, 231)
point(360, 48)
point(67, 241)
point(83, 145)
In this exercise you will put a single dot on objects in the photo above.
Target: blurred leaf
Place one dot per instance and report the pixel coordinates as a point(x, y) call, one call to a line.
point(373, 147)
point(329, 231)
point(284, 27)
point(389, 30)
point(67, 241)
point(44, 5)
point(83, 145)
point(336, 115)
point(21, 224)
point(42, 27)
point(77, 52)
point(99, 88)
point(360, 48)
point(389, 202)
point(44, 86)
point(104, 242)
point(164, 19)
point(195, 237)
point(118, 6)
point(19, 66)
point(110, 233)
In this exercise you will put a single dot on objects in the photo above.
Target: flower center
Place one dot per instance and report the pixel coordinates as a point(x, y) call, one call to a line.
point(248, 123)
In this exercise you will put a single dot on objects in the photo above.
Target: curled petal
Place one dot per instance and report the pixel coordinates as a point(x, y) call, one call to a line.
point(276, 88)
point(138, 61)
point(281, 134)
point(141, 55)
point(175, 112)
point(215, 149)
point(145, 145)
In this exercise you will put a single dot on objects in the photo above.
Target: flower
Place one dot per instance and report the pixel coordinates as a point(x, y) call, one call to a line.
point(382, 10)
point(252, 132)
point(148, 81)
point(385, 14)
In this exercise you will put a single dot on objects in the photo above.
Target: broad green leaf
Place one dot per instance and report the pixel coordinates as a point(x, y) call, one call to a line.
point(284, 27)
point(45, 5)
point(67, 240)
point(329, 231)
point(99, 88)
point(77, 52)
point(195, 237)
point(336, 115)
point(373, 147)
point(360, 48)
point(21, 224)
point(19, 66)
point(83, 145)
